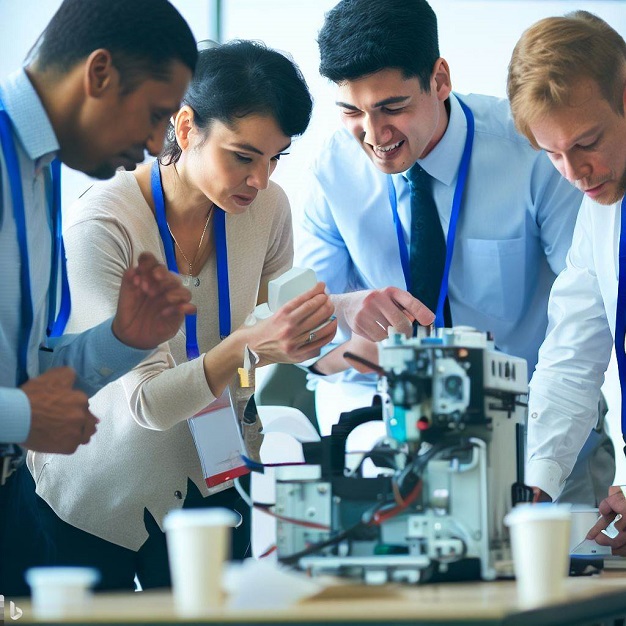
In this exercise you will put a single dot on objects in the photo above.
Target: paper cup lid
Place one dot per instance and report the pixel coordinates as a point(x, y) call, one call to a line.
point(62, 576)
point(187, 518)
point(526, 512)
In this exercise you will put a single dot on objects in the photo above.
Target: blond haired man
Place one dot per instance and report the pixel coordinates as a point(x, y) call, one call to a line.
point(567, 87)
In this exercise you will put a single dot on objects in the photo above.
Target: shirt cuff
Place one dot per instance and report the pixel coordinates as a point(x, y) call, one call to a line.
point(98, 358)
point(14, 416)
point(545, 474)
point(114, 354)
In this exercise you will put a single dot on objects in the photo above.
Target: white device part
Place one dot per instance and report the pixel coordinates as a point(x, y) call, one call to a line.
point(288, 286)
point(261, 311)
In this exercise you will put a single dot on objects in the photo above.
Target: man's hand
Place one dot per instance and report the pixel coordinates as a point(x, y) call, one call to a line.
point(371, 313)
point(151, 306)
point(60, 417)
point(612, 508)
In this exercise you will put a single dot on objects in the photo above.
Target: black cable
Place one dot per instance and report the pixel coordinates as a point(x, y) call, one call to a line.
point(380, 452)
point(414, 470)
point(293, 559)
point(350, 356)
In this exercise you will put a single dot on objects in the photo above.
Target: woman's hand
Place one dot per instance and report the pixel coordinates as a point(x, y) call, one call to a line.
point(297, 331)
point(291, 335)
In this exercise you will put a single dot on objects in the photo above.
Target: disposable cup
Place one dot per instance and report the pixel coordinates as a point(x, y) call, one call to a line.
point(198, 544)
point(61, 591)
point(540, 536)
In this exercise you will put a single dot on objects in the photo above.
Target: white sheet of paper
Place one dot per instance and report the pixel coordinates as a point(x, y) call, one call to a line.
point(258, 585)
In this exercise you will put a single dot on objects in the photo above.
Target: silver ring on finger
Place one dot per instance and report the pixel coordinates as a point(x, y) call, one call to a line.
point(382, 326)
point(311, 337)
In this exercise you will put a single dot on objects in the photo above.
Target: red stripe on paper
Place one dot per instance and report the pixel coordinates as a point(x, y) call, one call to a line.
point(218, 479)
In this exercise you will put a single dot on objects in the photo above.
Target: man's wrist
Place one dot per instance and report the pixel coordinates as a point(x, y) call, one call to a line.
point(545, 474)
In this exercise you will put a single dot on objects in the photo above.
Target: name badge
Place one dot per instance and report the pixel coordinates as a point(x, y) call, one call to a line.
point(218, 440)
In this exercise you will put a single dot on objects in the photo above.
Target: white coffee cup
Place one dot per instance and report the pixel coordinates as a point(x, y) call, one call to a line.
point(198, 544)
point(540, 536)
point(61, 591)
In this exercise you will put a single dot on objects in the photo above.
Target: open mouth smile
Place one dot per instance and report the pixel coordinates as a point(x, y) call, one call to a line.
point(386, 152)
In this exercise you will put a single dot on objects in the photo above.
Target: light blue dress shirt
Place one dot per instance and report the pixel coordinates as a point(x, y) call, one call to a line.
point(96, 355)
point(514, 230)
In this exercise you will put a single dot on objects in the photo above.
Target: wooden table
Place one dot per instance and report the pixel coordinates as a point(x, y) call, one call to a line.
point(597, 600)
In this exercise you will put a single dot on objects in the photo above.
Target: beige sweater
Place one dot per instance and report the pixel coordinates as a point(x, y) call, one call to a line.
point(143, 451)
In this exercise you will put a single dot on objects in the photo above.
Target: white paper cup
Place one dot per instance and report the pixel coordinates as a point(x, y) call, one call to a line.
point(540, 536)
point(61, 591)
point(198, 544)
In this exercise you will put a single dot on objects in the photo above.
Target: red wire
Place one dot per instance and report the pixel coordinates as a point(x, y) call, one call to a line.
point(382, 516)
point(292, 520)
point(269, 551)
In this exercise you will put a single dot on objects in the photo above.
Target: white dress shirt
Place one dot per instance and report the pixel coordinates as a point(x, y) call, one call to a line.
point(97, 355)
point(575, 355)
point(514, 229)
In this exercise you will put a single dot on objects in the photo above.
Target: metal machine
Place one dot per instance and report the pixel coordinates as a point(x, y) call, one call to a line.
point(451, 467)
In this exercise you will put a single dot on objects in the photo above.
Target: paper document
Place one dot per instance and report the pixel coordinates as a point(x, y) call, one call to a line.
point(588, 547)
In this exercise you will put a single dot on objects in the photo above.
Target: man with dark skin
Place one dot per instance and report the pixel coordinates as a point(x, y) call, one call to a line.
point(97, 94)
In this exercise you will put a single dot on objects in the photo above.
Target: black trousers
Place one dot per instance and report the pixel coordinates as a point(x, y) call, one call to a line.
point(23, 541)
point(34, 535)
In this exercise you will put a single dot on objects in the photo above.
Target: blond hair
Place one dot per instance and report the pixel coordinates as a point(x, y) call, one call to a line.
point(553, 55)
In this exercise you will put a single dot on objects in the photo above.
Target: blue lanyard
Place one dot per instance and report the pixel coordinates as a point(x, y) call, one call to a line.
point(54, 328)
point(223, 289)
point(620, 317)
point(454, 217)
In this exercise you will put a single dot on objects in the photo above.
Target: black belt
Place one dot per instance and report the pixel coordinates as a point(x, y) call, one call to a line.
point(11, 457)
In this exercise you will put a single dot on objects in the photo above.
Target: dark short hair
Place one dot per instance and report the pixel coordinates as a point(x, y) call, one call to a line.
point(361, 37)
point(143, 37)
point(240, 78)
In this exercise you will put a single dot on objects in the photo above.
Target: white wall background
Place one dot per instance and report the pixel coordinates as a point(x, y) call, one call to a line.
point(476, 37)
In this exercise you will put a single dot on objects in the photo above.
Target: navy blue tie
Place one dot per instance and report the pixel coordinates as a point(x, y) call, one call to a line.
point(427, 252)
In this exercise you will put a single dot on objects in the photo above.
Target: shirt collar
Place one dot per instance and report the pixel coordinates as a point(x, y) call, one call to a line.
point(443, 161)
point(30, 120)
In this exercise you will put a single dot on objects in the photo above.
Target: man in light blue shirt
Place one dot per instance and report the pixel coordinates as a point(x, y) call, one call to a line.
point(96, 96)
point(515, 223)
point(44, 104)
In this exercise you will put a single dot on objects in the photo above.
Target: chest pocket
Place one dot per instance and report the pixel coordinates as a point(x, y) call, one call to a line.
point(494, 276)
